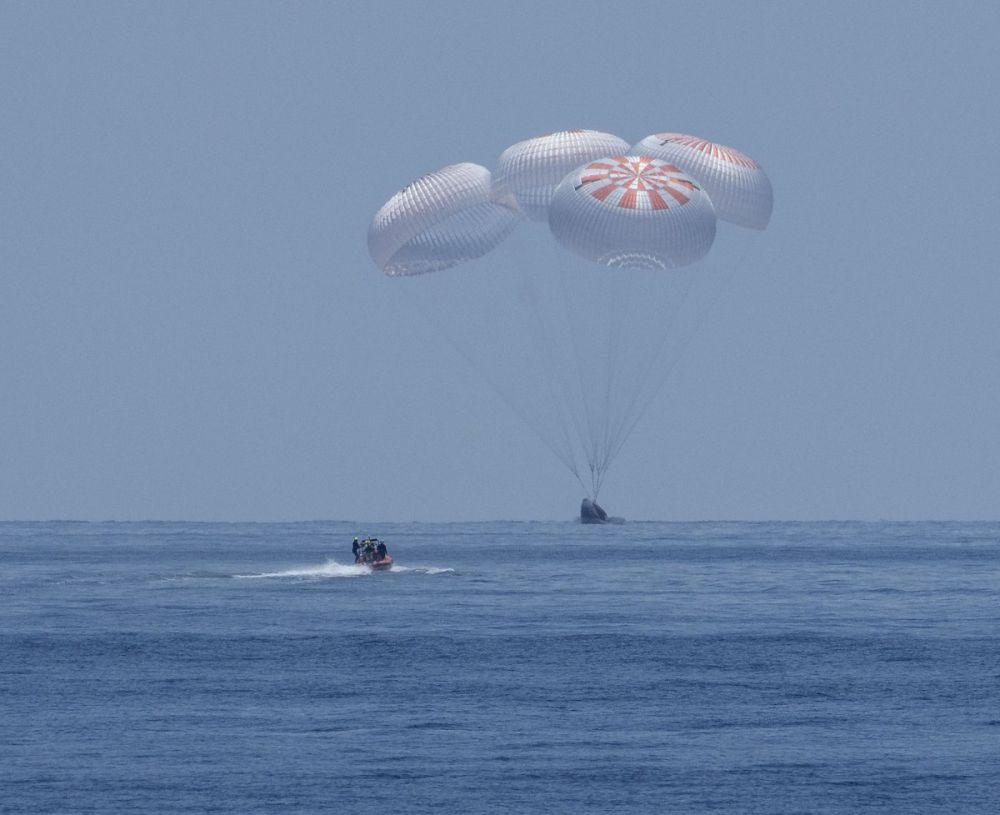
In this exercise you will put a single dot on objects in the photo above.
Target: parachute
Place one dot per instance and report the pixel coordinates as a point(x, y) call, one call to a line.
point(740, 190)
point(530, 170)
point(578, 325)
point(442, 219)
point(632, 211)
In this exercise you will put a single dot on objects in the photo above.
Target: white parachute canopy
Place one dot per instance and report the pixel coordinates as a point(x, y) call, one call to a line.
point(530, 170)
point(740, 190)
point(440, 220)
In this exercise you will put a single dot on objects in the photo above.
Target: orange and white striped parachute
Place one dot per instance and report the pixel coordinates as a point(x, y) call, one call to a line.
point(633, 211)
point(740, 190)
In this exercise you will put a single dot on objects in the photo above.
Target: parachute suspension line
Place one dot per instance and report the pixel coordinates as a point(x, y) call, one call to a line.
point(620, 315)
point(583, 424)
point(614, 319)
point(596, 343)
point(567, 461)
point(539, 324)
point(719, 283)
point(570, 373)
point(592, 375)
point(543, 341)
point(598, 357)
point(567, 370)
point(679, 283)
point(613, 332)
point(438, 325)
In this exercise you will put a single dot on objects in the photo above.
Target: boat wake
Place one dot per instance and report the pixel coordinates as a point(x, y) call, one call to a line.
point(333, 569)
point(329, 569)
point(422, 569)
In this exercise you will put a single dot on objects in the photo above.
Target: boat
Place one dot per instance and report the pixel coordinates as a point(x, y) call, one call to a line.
point(367, 553)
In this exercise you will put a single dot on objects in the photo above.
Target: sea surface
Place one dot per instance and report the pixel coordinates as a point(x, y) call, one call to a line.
point(500, 668)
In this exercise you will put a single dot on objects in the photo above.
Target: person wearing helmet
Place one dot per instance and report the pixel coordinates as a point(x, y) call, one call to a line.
point(355, 547)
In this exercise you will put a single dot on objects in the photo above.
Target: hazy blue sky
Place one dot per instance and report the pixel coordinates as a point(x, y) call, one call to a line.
point(190, 325)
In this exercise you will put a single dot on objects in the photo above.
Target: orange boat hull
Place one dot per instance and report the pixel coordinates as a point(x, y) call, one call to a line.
point(382, 565)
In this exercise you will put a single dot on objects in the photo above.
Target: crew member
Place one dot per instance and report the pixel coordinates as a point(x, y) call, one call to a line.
point(355, 547)
point(381, 550)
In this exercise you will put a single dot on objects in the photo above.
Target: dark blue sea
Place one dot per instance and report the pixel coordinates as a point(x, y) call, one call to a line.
point(500, 668)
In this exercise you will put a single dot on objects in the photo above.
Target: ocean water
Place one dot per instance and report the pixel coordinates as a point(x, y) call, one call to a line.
point(500, 668)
